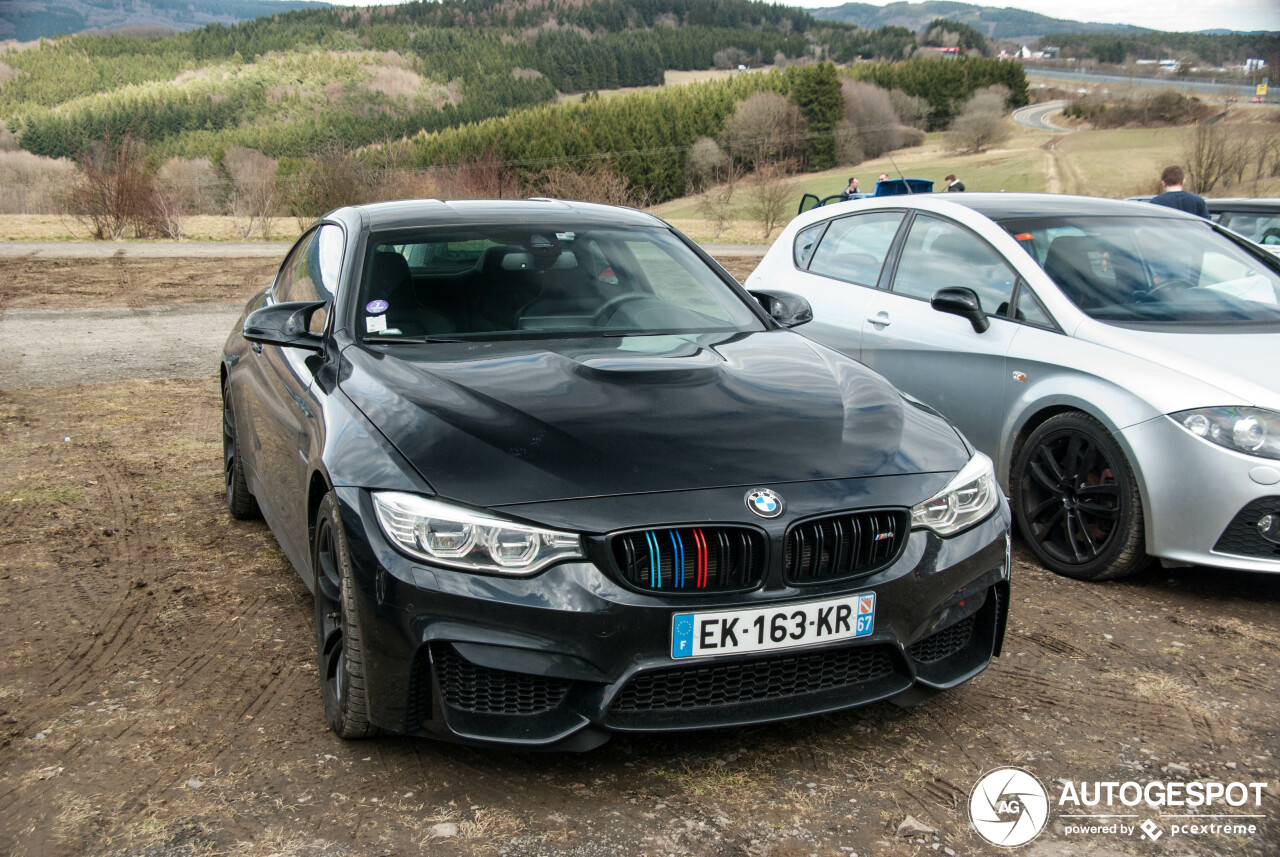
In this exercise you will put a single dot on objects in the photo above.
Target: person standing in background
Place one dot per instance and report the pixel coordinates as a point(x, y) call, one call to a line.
point(1175, 197)
point(954, 185)
point(849, 191)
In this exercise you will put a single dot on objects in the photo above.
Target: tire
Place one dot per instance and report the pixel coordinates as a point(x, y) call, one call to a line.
point(1076, 501)
point(339, 650)
point(240, 501)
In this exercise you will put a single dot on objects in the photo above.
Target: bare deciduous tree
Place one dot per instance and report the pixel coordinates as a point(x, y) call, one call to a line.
point(705, 164)
point(484, 175)
point(716, 203)
point(595, 183)
point(769, 197)
point(848, 145)
point(255, 194)
point(981, 123)
point(183, 188)
point(869, 111)
point(112, 194)
point(765, 128)
point(1207, 153)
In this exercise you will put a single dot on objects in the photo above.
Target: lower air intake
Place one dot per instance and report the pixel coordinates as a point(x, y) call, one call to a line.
point(777, 677)
point(944, 643)
point(482, 690)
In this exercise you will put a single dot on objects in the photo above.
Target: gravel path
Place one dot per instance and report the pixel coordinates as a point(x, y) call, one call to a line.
point(50, 348)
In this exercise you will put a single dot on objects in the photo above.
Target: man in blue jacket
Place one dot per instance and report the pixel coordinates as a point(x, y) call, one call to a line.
point(1175, 197)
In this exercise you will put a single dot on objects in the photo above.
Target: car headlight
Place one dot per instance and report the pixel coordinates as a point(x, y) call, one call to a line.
point(1252, 431)
point(968, 499)
point(464, 538)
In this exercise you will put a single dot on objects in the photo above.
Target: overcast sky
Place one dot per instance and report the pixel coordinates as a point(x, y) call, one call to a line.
point(1186, 15)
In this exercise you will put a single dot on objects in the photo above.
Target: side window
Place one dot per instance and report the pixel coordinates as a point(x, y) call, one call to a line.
point(282, 291)
point(311, 272)
point(854, 248)
point(939, 253)
point(1030, 311)
point(806, 240)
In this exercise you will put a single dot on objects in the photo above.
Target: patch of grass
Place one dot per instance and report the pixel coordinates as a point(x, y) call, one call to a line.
point(60, 494)
point(1123, 162)
point(711, 780)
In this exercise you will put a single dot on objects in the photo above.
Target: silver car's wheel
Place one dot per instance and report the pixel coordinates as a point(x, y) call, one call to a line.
point(1076, 501)
point(339, 648)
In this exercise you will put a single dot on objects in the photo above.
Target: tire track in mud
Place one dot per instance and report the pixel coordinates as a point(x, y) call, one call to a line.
point(131, 603)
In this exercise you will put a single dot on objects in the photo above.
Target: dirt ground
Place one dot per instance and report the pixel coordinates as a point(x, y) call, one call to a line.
point(158, 693)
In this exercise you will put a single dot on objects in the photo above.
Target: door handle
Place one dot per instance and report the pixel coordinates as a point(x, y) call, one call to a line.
point(257, 347)
point(880, 320)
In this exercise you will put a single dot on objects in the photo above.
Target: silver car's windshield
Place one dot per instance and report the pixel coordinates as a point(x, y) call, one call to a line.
point(1152, 270)
point(518, 281)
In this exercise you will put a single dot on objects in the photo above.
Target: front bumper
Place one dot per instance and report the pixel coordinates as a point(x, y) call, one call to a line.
point(563, 658)
point(1201, 499)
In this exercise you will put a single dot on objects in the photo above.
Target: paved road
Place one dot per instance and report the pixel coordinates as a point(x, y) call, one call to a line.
point(146, 249)
point(1181, 84)
point(222, 249)
point(1036, 116)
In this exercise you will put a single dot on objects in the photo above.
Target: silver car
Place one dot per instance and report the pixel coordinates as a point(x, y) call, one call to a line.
point(1118, 361)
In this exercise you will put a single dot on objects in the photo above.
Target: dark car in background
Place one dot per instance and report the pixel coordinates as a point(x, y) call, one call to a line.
point(551, 473)
point(1257, 219)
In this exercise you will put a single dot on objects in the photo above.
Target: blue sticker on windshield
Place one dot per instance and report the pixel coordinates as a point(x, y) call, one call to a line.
point(377, 306)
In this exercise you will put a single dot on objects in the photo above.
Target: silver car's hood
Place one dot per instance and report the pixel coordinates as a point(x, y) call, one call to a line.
point(1236, 368)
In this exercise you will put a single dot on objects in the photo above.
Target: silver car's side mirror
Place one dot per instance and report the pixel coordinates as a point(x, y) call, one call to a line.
point(963, 302)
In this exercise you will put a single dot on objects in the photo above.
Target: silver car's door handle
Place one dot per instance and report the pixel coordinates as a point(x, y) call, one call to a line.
point(880, 319)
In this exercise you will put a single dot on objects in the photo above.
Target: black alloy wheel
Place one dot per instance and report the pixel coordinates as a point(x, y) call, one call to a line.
point(338, 640)
point(240, 502)
point(1076, 501)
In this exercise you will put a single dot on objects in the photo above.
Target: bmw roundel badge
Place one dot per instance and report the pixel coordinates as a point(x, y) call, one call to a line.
point(764, 503)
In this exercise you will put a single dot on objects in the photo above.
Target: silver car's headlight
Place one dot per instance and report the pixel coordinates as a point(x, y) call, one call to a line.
point(464, 538)
point(968, 499)
point(1253, 431)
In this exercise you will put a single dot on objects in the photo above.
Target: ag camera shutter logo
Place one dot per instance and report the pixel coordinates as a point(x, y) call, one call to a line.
point(1009, 807)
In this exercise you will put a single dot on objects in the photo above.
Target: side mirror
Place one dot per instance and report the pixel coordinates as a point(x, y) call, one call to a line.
point(285, 324)
point(962, 302)
point(786, 308)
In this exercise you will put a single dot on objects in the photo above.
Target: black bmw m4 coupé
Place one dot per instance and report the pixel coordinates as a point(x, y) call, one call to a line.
point(552, 473)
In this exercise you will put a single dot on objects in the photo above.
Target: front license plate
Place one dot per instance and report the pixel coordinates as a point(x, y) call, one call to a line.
point(764, 629)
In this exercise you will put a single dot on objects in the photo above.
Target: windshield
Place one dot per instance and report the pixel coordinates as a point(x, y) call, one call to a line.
point(511, 281)
point(1138, 270)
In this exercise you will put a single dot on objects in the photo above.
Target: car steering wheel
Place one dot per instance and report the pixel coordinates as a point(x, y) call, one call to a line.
point(1271, 237)
point(1172, 286)
point(613, 303)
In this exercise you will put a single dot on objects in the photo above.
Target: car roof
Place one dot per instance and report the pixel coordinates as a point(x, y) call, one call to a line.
point(1257, 205)
point(1014, 206)
point(999, 207)
point(411, 213)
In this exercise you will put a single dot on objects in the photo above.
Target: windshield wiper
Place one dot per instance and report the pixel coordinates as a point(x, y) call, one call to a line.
point(408, 340)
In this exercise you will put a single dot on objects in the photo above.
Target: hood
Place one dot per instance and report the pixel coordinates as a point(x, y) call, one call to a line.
point(1231, 367)
point(496, 423)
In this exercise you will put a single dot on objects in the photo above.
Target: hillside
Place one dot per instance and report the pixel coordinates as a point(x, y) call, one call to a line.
point(296, 82)
point(1015, 24)
point(28, 20)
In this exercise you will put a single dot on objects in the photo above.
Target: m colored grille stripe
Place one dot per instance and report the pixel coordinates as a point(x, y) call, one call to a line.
point(679, 558)
point(722, 558)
